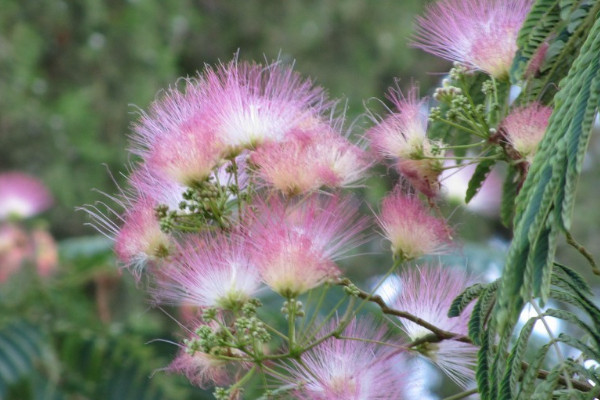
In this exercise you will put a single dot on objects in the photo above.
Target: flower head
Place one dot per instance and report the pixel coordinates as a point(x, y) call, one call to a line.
point(22, 195)
point(250, 104)
point(402, 136)
point(412, 231)
point(295, 247)
point(525, 127)
point(309, 160)
point(340, 369)
point(481, 34)
point(140, 238)
point(427, 293)
point(211, 271)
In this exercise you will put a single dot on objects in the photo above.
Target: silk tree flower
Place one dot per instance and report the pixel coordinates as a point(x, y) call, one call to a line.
point(139, 240)
point(188, 155)
point(295, 247)
point(161, 190)
point(22, 196)
point(402, 137)
point(15, 248)
point(210, 271)
point(427, 293)
point(341, 369)
point(250, 104)
point(525, 127)
point(309, 160)
point(411, 230)
point(480, 34)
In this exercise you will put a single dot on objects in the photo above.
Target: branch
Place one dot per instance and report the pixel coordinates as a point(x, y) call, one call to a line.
point(440, 334)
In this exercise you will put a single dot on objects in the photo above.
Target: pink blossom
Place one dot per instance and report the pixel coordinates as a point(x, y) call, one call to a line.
point(310, 160)
point(140, 239)
point(402, 137)
point(412, 231)
point(403, 133)
point(344, 369)
point(296, 245)
point(22, 195)
point(250, 104)
point(15, 248)
point(481, 34)
point(525, 127)
point(427, 293)
point(211, 271)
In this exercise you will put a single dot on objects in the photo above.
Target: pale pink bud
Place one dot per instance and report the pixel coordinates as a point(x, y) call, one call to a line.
point(15, 248)
point(46, 252)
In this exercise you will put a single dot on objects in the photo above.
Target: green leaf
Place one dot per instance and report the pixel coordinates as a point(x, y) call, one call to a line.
point(465, 298)
point(479, 176)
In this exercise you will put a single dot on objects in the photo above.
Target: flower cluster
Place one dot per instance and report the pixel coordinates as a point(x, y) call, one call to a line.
point(238, 193)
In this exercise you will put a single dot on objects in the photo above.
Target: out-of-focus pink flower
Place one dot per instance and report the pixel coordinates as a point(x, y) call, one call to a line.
point(402, 137)
point(295, 247)
point(140, 239)
point(15, 248)
point(340, 369)
point(309, 160)
point(525, 127)
point(412, 231)
point(211, 271)
point(45, 252)
point(22, 195)
point(480, 34)
point(427, 293)
point(455, 182)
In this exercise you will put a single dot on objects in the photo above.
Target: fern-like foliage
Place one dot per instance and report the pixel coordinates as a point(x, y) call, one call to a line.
point(520, 373)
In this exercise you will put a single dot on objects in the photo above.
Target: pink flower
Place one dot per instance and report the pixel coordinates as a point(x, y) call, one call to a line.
point(525, 127)
point(295, 247)
point(250, 104)
point(162, 190)
point(211, 271)
point(403, 133)
point(15, 248)
point(140, 240)
point(22, 196)
point(412, 231)
point(481, 34)
point(45, 252)
point(340, 369)
point(402, 137)
point(427, 293)
point(310, 160)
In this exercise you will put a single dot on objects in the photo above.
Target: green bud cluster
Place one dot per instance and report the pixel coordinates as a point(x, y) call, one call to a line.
point(295, 305)
point(251, 330)
point(352, 290)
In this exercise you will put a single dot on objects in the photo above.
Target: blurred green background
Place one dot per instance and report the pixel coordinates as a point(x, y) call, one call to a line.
point(74, 73)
